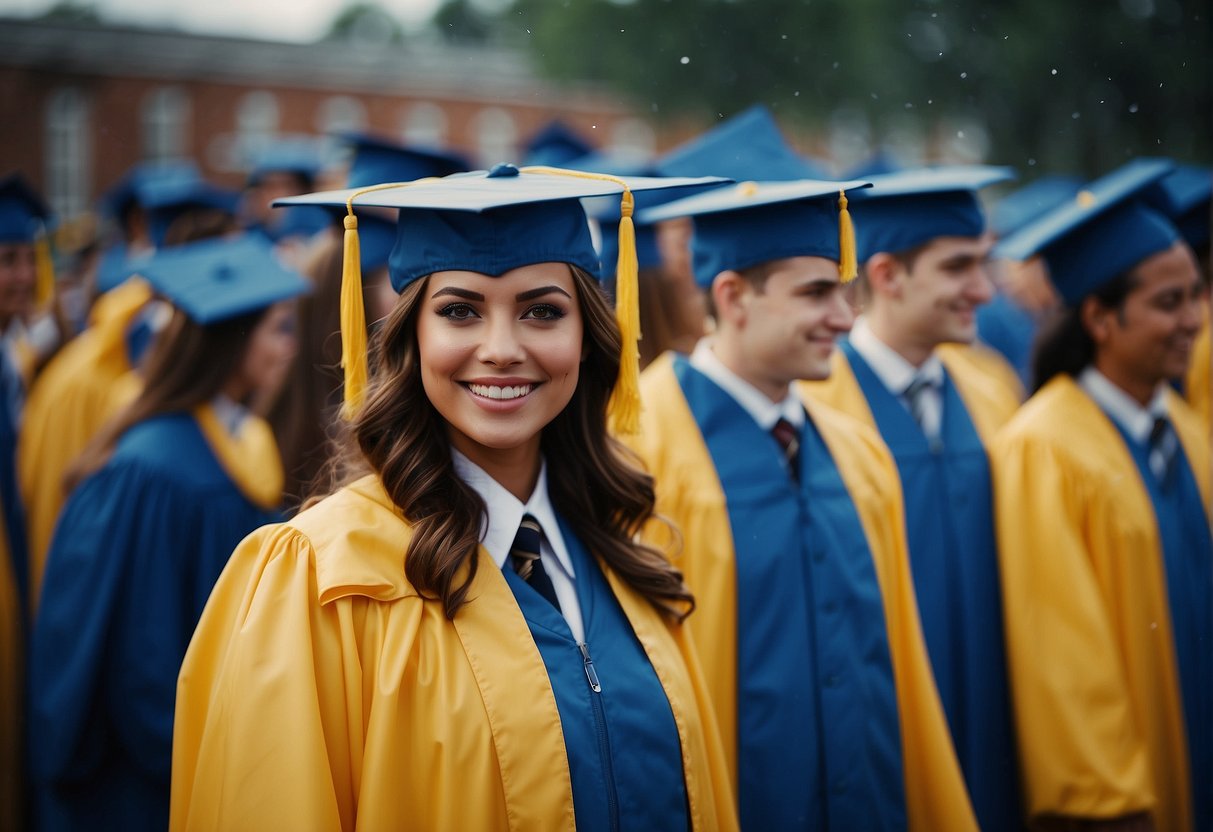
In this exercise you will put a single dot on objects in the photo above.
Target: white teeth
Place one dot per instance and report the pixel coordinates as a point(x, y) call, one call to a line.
point(495, 392)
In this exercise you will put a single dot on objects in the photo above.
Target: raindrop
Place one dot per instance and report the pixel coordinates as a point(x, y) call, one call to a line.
point(1031, 163)
point(1160, 85)
point(1101, 101)
point(783, 37)
point(934, 14)
point(684, 60)
point(960, 134)
point(875, 97)
point(1133, 108)
point(1054, 72)
point(964, 75)
point(909, 106)
point(836, 64)
point(1006, 37)
point(1074, 115)
point(941, 54)
point(796, 94)
point(930, 100)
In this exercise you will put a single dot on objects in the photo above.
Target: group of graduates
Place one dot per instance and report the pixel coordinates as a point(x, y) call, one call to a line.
point(689, 492)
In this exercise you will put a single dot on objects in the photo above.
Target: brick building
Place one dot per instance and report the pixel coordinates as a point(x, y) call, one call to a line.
point(80, 103)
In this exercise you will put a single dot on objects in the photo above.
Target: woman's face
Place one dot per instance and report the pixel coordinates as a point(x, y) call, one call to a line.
point(500, 356)
point(271, 349)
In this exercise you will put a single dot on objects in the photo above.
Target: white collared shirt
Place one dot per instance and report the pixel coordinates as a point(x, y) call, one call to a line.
point(231, 414)
point(896, 374)
point(1135, 420)
point(505, 512)
point(764, 411)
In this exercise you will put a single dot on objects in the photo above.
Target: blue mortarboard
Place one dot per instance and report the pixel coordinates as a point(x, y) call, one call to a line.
point(1018, 208)
point(297, 155)
point(134, 185)
point(1104, 231)
point(903, 210)
point(213, 280)
point(555, 144)
point(377, 160)
point(1184, 196)
point(300, 221)
point(748, 146)
point(167, 199)
point(743, 225)
point(488, 222)
point(116, 265)
point(23, 214)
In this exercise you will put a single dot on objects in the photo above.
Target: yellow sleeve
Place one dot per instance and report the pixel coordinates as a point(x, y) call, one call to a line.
point(1082, 752)
point(285, 757)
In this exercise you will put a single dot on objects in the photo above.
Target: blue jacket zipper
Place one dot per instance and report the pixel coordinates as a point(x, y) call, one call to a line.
point(604, 744)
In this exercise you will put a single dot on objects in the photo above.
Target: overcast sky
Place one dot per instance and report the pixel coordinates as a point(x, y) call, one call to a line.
point(293, 20)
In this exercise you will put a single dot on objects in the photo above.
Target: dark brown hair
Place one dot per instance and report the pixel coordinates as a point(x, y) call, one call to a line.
point(594, 484)
point(1063, 344)
point(188, 365)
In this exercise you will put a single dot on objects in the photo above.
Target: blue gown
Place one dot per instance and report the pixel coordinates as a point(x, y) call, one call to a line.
point(137, 549)
point(11, 397)
point(625, 758)
point(954, 559)
point(1188, 562)
point(1007, 327)
point(818, 732)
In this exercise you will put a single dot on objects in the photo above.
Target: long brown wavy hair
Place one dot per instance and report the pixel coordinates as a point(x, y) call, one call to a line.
point(188, 365)
point(593, 480)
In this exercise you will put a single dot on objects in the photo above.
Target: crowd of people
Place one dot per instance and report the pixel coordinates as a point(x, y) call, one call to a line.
point(687, 492)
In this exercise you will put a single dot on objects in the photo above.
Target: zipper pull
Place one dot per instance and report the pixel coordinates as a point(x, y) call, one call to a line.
point(590, 673)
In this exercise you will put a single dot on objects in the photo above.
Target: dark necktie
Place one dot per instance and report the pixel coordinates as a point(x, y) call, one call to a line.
point(524, 557)
point(788, 437)
point(915, 397)
point(1163, 446)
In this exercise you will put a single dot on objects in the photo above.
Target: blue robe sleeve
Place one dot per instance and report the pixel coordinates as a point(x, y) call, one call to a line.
point(135, 555)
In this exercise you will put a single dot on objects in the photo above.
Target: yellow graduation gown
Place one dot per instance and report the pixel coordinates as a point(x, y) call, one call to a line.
point(322, 692)
point(988, 398)
point(1094, 680)
point(70, 401)
point(690, 495)
point(1198, 384)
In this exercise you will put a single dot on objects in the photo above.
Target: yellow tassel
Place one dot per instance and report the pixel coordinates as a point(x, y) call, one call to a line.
point(353, 322)
point(848, 266)
point(624, 409)
point(44, 270)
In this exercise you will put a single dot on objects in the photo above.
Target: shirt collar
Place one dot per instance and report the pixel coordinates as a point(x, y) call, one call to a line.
point(504, 512)
point(231, 414)
point(1137, 421)
point(764, 411)
point(893, 371)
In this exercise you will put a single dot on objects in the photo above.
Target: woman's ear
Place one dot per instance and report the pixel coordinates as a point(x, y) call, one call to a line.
point(1095, 319)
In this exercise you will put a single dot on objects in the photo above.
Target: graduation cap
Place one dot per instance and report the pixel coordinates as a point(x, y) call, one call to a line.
point(878, 164)
point(491, 222)
point(133, 187)
point(168, 199)
point(377, 159)
point(1018, 208)
point(1105, 230)
point(555, 144)
point(298, 156)
point(24, 218)
point(213, 280)
point(749, 223)
point(1184, 195)
point(903, 210)
point(748, 146)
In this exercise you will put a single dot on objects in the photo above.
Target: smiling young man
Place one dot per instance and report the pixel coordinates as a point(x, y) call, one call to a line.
point(922, 239)
point(1102, 483)
point(790, 532)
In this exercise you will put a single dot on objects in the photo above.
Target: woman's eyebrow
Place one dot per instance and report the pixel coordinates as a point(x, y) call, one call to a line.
point(531, 294)
point(457, 292)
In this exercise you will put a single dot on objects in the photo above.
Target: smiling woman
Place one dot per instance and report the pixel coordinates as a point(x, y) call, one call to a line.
point(469, 637)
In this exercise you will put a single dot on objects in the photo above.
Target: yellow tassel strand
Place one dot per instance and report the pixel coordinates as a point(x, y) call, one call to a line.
point(624, 408)
point(848, 266)
point(353, 321)
point(44, 270)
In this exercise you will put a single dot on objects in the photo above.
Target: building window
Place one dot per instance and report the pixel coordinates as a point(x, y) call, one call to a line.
point(165, 121)
point(424, 124)
point(496, 136)
point(68, 152)
point(631, 136)
point(340, 113)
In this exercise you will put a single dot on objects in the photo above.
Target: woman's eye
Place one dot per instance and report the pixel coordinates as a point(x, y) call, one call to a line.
point(544, 312)
point(457, 311)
